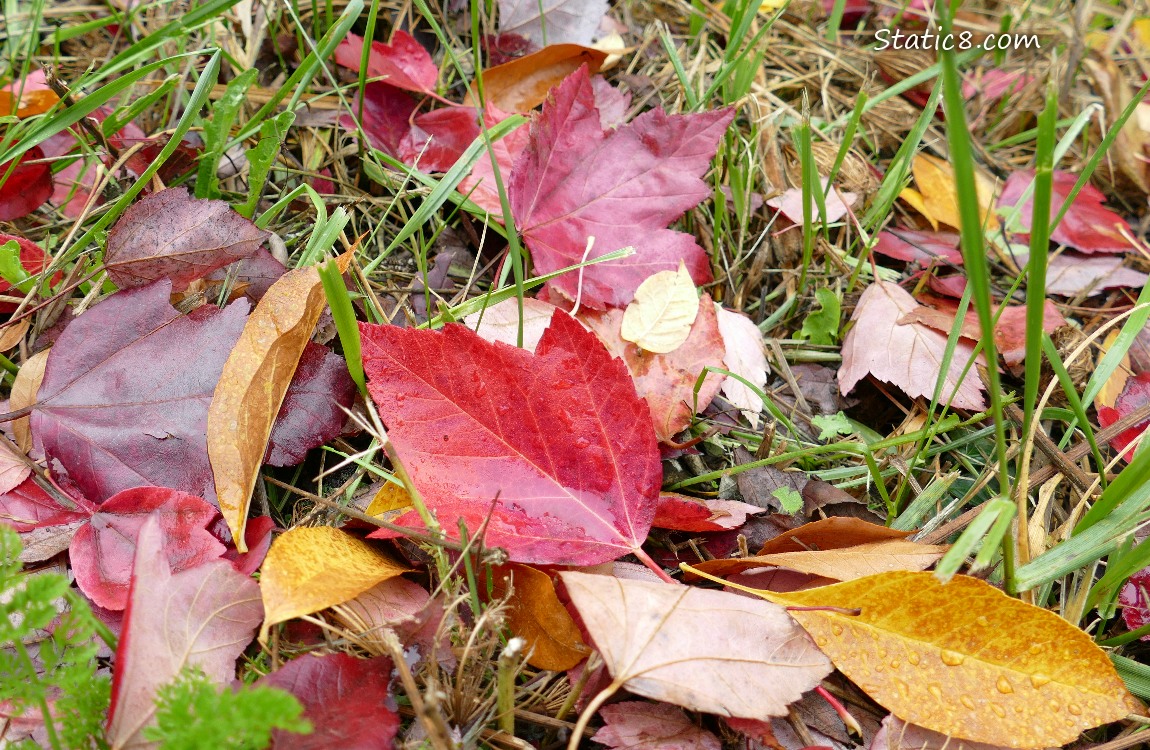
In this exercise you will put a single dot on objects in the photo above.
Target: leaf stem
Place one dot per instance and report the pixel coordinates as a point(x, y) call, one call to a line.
point(644, 558)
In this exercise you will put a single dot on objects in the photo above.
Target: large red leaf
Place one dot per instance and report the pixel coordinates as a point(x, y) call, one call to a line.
point(557, 441)
point(202, 618)
point(102, 550)
point(26, 187)
point(404, 63)
point(623, 187)
point(346, 700)
point(126, 391)
point(172, 235)
point(1088, 225)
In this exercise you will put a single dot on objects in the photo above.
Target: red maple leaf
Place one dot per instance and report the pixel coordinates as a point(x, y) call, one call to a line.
point(556, 445)
point(622, 187)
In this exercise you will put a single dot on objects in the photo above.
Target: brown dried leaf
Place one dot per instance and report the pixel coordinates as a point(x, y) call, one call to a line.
point(253, 384)
point(24, 390)
point(536, 615)
point(658, 640)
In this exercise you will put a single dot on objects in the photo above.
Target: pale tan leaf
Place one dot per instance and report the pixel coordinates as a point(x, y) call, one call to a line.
point(500, 322)
point(659, 640)
point(24, 390)
point(660, 317)
point(744, 356)
point(908, 356)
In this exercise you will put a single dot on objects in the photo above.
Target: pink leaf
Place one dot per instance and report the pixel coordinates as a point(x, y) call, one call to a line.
point(919, 247)
point(1088, 225)
point(1135, 600)
point(744, 356)
point(346, 700)
point(790, 204)
point(500, 322)
point(203, 618)
point(1071, 274)
point(624, 187)
point(480, 185)
point(103, 550)
point(556, 444)
point(404, 63)
point(28, 507)
point(908, 356)
point(638, 725)
point(172, 235)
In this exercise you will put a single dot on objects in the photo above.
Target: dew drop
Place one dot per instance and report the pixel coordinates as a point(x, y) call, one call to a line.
point(895, 663)
point(981, 620)
point(879, 668)
point(966, 701)
point(952, 659)
point(903, 688)
point(837, 629)
point(1055, 707)
point(1074, 708)
point(822, 641)
point(1004, 686)
point(936, 691)
point(998, 710)
point(913, 658)
point(1070, 724)
point(582, 443)
point(1038, 680)
point(1035, 649)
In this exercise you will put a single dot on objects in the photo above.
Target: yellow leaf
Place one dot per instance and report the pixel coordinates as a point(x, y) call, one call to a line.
point(660, 317)
point(389, 497)
point(535, 614)
point(252, 386)
point(935, 180)
point(964, 659)
point(24, 390)
point(313, 568)
point(915, 200)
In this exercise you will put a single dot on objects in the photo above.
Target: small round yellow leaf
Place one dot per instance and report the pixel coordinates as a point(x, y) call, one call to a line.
point(660, 317)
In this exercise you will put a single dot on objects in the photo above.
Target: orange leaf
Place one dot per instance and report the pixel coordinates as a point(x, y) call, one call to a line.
point(964, 659)
point(313, 568)
point(522, 84)
point(24, 390)
point(536, 615)
point(253, 384)
point(831, 533)
point(30, 103)
point(839, 564)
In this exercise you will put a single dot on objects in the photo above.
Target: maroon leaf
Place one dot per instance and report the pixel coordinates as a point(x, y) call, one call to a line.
point(202, 618)
point(258, 535)
point(404, 63)
point(313, 409)
point(920, 247)
point(126, 392)
point(32, 258)
point(1135, 395)
point(556, 444)
point(1088, 225)
point(346, 700)
point(26, 187)
point(102, 551)
point(172, 235)
point(433, 140)
point(259, 272)
point(623, 187)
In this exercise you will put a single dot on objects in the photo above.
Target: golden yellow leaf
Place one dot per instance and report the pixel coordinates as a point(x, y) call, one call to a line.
point(935, 181)
point(24, 390)
point(660, 317)
point(845, 564)
point(312, 568)
point(914, 198)
point(252, 386)
point(535, 614)
point(389, 497)
point(963, 658)
point(1116, 383)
